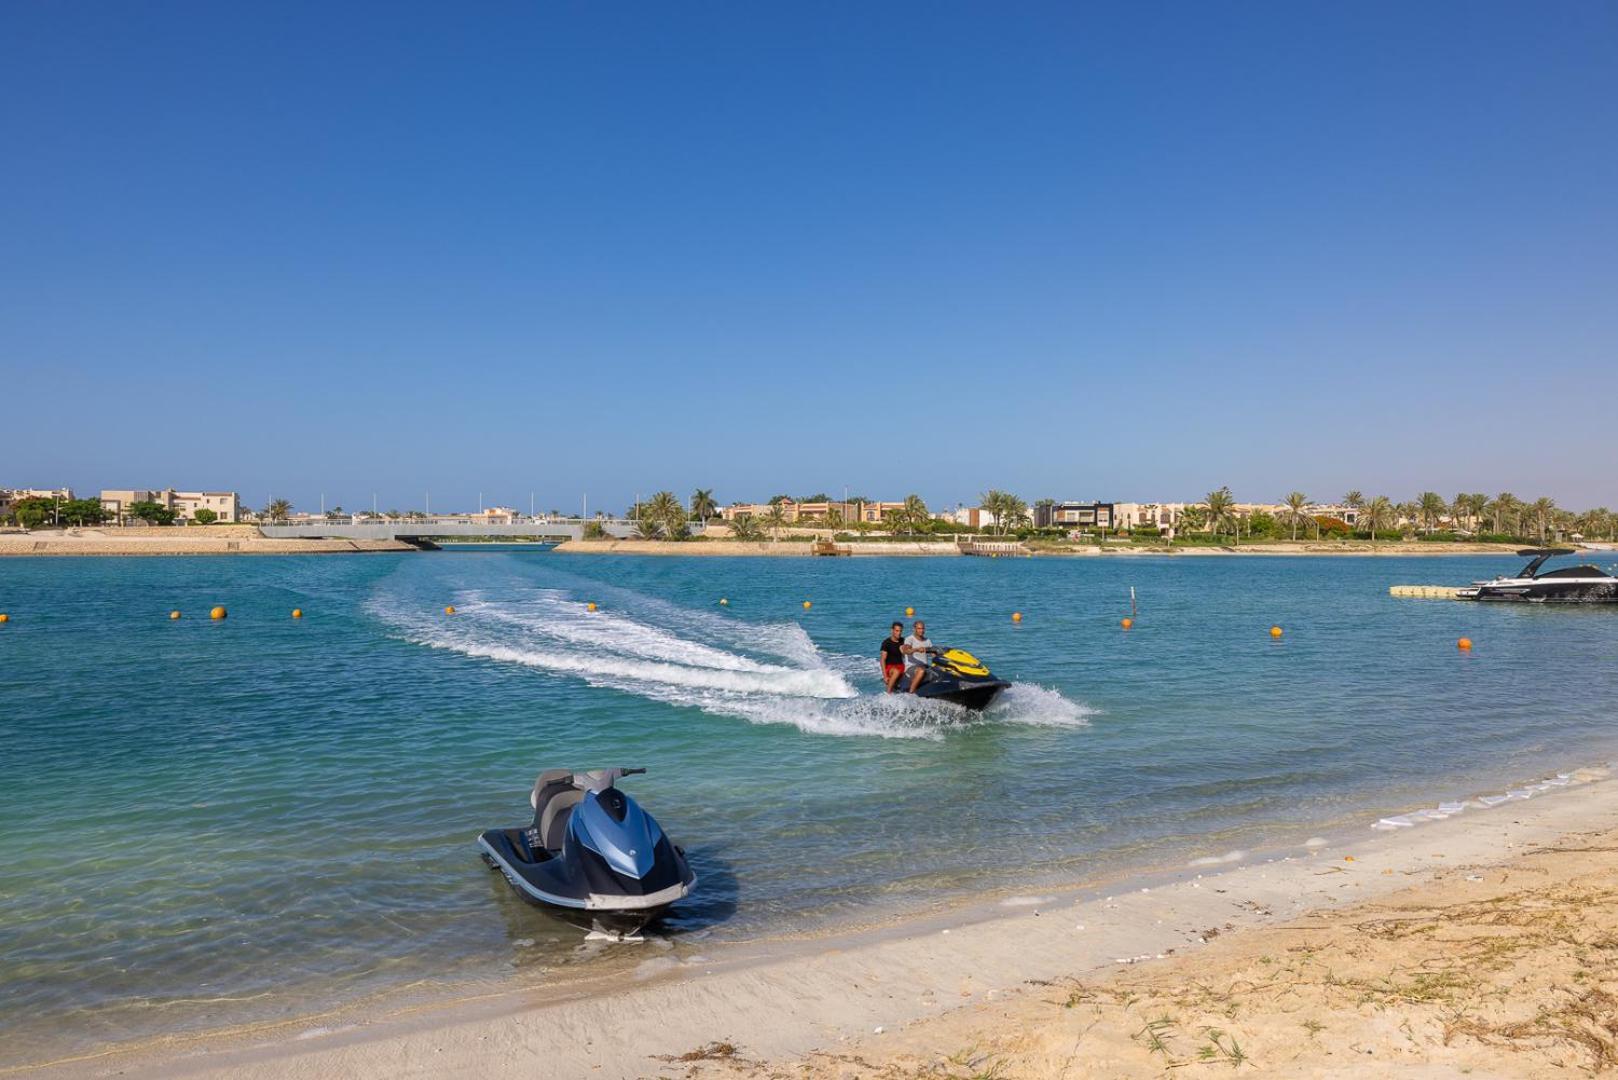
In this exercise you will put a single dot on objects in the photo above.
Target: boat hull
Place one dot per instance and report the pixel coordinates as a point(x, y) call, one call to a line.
point(1593, 593)
point(968, 694)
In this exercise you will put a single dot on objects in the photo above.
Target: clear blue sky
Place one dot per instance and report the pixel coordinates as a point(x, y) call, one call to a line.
point(1126, 251)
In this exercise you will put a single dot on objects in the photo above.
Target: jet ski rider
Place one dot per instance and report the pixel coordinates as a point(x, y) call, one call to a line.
point(916, 650)
point(893, 657)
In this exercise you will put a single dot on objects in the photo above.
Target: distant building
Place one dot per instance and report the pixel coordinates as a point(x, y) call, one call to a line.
point(1076, 515)
point(10, 497)
point(1348, 515)
point(816, 513)
point(226, 505)
point(973, 517)
point(1162, 516)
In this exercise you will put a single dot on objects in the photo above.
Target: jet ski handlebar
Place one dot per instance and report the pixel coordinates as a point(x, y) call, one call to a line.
point(600, 779)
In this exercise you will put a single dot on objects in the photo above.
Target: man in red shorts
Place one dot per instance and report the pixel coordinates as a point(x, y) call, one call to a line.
point(893, 657)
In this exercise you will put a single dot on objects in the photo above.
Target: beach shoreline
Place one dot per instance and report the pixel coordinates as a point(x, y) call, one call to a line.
point(944, 983)
point(948, 549)
point(197, 540)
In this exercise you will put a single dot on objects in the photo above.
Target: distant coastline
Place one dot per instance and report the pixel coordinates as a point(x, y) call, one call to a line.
point(248, 540)
point(172, 540)
point(867, 549)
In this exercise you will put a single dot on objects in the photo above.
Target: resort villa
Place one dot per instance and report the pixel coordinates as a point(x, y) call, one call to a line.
point(226, 505)
point(817, 513)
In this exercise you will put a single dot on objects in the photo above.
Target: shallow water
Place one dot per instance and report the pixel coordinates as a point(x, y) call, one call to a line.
point(204, 823)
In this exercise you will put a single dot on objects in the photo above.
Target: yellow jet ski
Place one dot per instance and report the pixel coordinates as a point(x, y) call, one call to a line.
point(956, 675)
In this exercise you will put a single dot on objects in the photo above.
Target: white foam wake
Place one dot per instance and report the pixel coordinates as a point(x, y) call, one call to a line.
point(656, 651)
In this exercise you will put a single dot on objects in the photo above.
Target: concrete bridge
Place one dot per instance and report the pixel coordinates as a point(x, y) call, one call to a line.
point(439, 528)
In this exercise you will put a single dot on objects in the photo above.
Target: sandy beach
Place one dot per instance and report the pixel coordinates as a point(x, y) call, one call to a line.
point(1482, 944)
point(208, 540)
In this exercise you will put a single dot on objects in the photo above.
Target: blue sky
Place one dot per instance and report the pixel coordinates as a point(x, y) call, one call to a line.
point(1079, 251)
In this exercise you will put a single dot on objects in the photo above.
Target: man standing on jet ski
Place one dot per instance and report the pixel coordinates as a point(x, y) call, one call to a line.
point(916, 650)
point(893, 657)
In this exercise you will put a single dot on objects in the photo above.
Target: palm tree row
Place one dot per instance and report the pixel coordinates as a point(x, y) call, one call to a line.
point(1506, 515)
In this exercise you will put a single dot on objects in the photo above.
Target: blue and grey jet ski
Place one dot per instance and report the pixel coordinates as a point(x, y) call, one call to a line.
point(592, 853)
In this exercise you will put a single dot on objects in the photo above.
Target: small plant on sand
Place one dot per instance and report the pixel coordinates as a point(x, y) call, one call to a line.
point(1216, 1049)
point(1155, 1035)
point(1314, 1028)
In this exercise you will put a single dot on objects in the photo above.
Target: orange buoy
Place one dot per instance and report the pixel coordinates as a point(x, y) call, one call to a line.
point(174, 614)
point(1464, 644)
point(217, 613)
point(450, 610)
point(909, 611)
point(297, 613)
point(591, 606)
point(1275, 631)
point(1126, 623)
point(1016, 616)
point(4, 617)
point(807, 605)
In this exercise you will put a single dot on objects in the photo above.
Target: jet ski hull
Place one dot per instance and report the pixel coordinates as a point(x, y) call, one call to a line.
point(971, 694)
point(588, 895)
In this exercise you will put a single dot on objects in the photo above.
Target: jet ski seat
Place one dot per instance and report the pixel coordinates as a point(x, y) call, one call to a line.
point(554, 799)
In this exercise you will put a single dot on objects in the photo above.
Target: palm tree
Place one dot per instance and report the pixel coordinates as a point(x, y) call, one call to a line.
point(648, 527)
point(1008, 510)
point(1354, 500)
point(775, 517)
point(1504, 509)
point(703, 505)
point(914, 515)
point(992, 501)
point(667, 510)
point(1218, 509)
point(334, 514)
point(746, 529)
point(1295, 502)
point(1014, 512)
point(1432, 507)
point(278, 510)
point(1376, 515)
point(1542, 513)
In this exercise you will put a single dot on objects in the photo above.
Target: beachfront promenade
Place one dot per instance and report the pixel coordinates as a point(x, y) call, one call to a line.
point(451, 528)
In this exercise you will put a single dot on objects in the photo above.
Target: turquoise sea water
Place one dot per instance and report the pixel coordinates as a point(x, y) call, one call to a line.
point(204, 823)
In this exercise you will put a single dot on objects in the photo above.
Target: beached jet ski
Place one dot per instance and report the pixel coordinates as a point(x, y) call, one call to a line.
point(956, 675)
point(591, 853)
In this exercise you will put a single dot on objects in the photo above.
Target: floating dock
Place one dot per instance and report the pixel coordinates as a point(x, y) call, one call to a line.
point(1425, 592)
